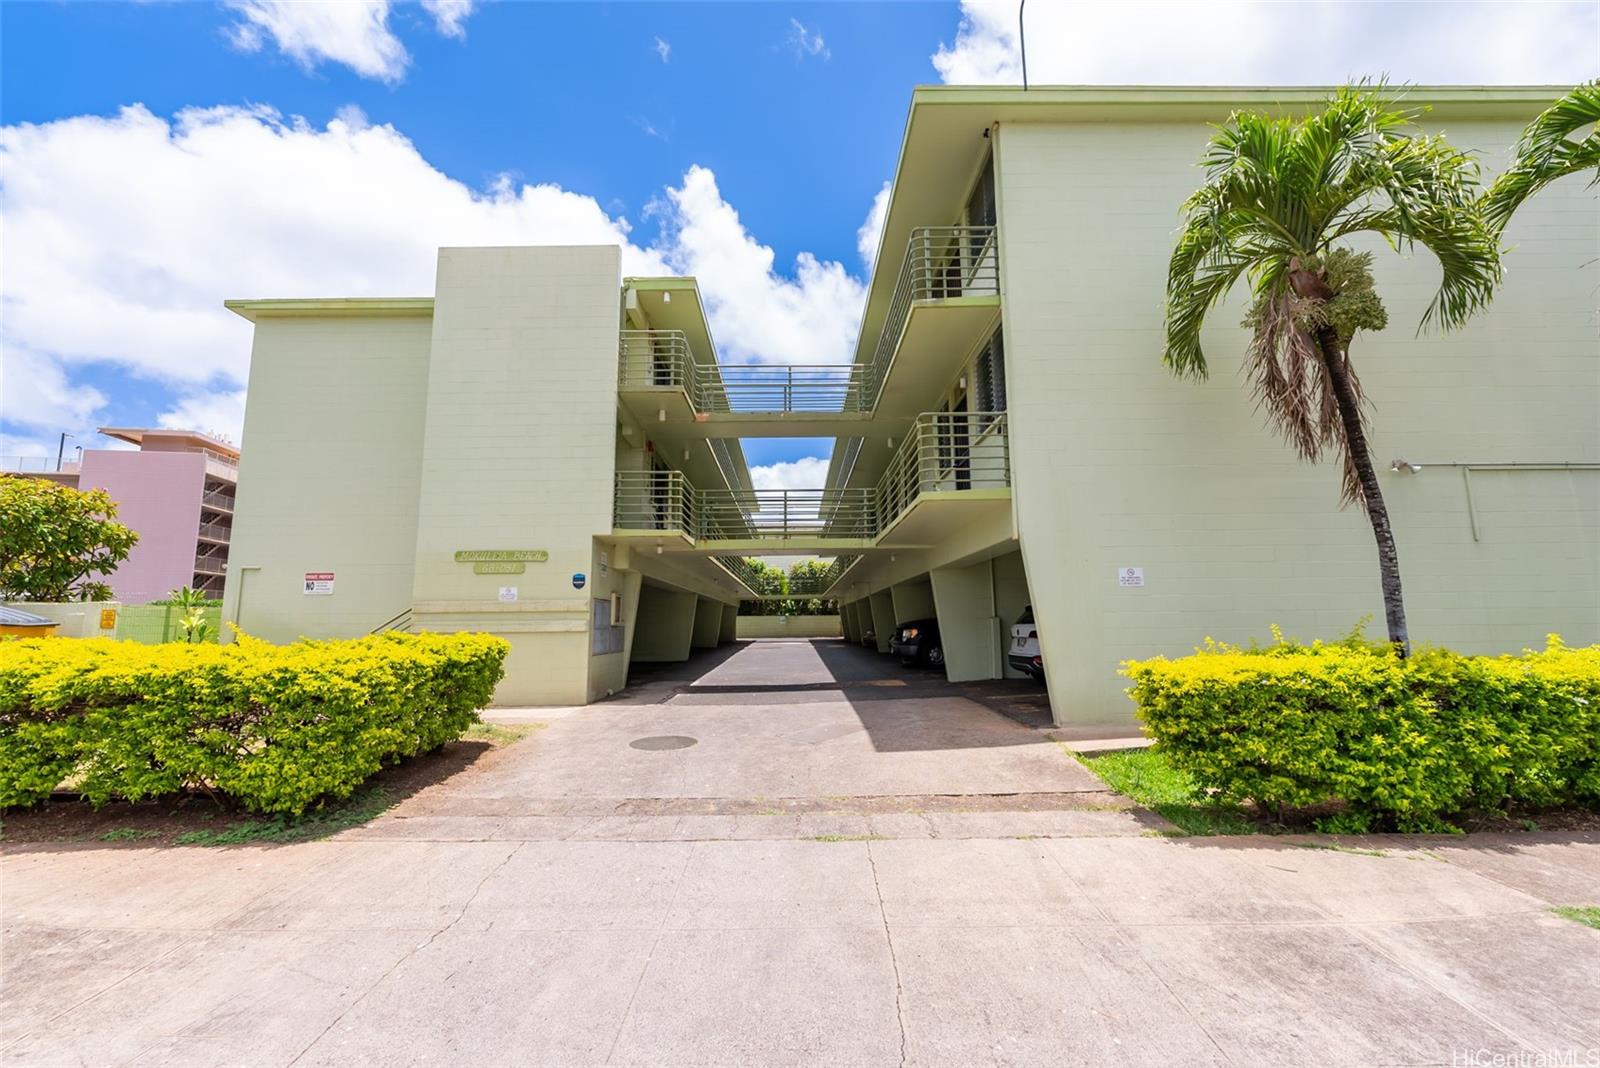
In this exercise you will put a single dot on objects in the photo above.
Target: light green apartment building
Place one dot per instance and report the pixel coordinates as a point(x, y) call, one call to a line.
point(549, 451)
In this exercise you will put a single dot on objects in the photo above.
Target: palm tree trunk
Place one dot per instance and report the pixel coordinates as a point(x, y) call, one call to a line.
point(1394, 609)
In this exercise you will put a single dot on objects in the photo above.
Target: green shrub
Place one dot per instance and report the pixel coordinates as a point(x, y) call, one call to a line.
point(278, 728)
point(1400, 743)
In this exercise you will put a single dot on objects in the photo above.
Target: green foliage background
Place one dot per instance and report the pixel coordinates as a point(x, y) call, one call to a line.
point(53, 537)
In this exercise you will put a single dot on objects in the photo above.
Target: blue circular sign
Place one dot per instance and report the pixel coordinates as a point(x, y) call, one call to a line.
point(578, 579)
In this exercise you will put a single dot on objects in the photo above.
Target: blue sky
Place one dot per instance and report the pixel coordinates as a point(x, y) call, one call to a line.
point(161, 157)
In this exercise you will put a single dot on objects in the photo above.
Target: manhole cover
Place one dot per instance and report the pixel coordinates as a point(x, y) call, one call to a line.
point(664, 741)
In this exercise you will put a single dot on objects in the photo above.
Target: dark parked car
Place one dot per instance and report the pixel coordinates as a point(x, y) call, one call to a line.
point(918, 643)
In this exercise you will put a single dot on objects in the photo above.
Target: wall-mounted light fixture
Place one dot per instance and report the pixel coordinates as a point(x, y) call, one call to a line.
point(891, 442)
point(1404, 467)
point(661, 415)
point(961, 383)
point(685, 455)
point(666, 298)
point(658, 548)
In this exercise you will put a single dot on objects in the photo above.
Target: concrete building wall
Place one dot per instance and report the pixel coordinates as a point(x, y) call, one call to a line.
point(158, 495)
point(1117, 464)
point(665, 631)
point(707, 623)
point(968, 626)
point(330, 480)
point(882, 608)
point(519, 453)
point(789, 627)
point(913, 600)
point(610, 575)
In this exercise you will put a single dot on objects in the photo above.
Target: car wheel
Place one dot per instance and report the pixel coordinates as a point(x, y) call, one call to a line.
point(936, 656)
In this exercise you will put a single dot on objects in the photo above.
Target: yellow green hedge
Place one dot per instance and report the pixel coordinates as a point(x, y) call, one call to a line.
point(278, 728)
point(1400, 743)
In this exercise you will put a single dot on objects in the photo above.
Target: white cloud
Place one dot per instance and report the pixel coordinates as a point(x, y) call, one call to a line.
point(808, 472)
point(648, 128)
point(352, 32)
point(757, 314)
point(663, 49)
point(871, 231)
point(124, 235)
point(806, 42)
point(35, 392)
point(448, 15)
point(220, 414)
point(1252, 42)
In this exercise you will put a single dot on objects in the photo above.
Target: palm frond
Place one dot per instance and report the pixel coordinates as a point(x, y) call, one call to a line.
point(1547, 151)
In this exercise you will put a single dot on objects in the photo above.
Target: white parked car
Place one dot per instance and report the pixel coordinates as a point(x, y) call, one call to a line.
point(1024, 653)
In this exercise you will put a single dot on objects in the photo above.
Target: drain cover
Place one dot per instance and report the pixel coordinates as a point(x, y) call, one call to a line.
point(664, 741)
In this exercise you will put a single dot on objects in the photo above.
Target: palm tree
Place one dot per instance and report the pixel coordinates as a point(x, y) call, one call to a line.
point(1547, 151)
point(1281, 198)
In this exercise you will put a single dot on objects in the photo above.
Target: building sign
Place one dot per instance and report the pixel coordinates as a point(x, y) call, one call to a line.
point(1130, 576)
point(319, 583)
point(508, 593)
point(499, 567)
point(474, 556)
point(579, 579)
point(108, 619)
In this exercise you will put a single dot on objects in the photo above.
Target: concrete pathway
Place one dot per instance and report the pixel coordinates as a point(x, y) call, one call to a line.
point(825, 877)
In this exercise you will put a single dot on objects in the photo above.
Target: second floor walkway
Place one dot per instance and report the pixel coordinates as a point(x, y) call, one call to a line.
point(948, 457)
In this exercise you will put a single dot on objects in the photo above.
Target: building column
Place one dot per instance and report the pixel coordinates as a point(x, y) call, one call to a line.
point(969, 625)
point(664, 626)
point(707, 623)
point(882, 608)
point(730, 624)
point(847, 623)
point(912, 600)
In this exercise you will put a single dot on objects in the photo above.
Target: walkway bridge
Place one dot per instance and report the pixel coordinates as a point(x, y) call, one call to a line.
point(946, 299)
point(948, 466)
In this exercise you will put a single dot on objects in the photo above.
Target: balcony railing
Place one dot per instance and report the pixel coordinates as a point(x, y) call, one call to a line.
point(944, 452)
point(655, 500)
point(941, 262)
point(218, 500)
point(660, 359)
point(210, 565)
point(216, 531)
point(739, 515)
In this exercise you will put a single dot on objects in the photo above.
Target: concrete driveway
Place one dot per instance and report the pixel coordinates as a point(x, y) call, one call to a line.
point(852, 864)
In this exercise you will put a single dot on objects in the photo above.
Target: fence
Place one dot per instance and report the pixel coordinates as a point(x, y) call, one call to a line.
point(156, 623)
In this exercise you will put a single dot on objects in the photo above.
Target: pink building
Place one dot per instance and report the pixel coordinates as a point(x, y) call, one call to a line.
point(177, 491)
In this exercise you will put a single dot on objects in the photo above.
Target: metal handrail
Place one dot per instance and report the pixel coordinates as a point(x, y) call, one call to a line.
point(784, 514)
point(210, 565)
point(944, 452)
point(655, 500)
point(219, 531)
point(941, 262)
point(218, 499)
point(661, 359)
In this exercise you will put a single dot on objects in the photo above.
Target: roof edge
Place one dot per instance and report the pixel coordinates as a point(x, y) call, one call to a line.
point(256, 310)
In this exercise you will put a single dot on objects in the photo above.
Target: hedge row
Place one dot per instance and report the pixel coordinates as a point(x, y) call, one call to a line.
point(1401, 744)
point(277, 728)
